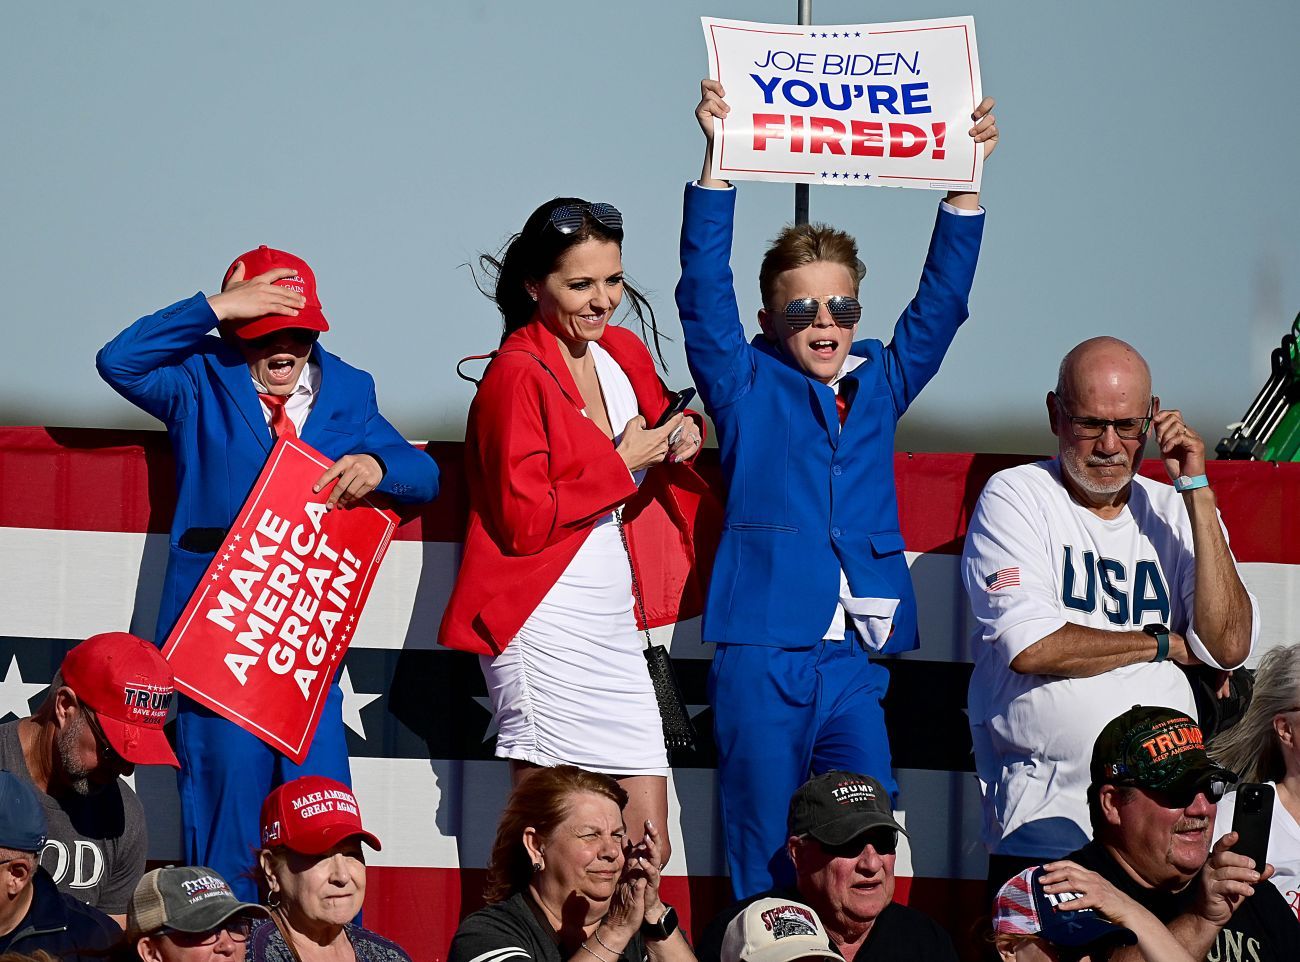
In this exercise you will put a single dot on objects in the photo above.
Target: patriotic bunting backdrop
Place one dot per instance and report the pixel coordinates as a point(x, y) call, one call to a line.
point(83, 522)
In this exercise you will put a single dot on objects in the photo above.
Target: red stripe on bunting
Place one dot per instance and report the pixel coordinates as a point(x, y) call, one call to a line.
point(85, 479)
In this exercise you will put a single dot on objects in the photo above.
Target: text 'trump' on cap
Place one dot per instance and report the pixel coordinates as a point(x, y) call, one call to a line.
point(836, 807)
point(129, 686)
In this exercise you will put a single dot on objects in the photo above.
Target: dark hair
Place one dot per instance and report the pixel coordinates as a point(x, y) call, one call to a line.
point(533, 253)
point(540, 801)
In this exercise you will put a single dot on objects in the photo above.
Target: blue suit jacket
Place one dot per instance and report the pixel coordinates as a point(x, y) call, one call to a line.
point(200, 387)
point(805, 497)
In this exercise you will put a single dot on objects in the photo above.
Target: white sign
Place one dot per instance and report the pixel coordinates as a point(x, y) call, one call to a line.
point(884, 104)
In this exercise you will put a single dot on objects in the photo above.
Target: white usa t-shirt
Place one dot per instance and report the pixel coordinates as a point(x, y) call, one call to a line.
point(1033, 561)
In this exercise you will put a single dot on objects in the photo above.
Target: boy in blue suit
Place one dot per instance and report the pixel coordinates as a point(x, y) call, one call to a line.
point(810, 574)
point(225, 401)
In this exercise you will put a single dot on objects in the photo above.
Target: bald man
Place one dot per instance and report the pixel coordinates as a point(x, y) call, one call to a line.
point(1091, 586)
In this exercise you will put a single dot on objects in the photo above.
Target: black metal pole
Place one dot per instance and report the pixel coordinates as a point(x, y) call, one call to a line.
point(801, 190)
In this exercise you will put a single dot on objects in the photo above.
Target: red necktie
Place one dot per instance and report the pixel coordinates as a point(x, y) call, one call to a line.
point(281, 425)
point(844, 397)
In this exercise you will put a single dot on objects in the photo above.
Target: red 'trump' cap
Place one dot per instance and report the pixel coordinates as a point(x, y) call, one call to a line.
point(128, 684)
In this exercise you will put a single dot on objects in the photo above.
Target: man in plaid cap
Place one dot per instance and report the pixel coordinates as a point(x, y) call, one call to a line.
point(842, 841)
point(103, 715)
point(1152, 802)
point(225, 401)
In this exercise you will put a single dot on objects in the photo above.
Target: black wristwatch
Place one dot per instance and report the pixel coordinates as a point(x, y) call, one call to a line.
point(1161, 634)
point(658, 931)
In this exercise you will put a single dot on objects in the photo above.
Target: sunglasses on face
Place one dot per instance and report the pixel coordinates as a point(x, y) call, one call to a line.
point(884, 842)
point(237, 929)
point(844, 311)
point(107, 753)
point(568, 218)
point(1128, 429)
point(296, 334)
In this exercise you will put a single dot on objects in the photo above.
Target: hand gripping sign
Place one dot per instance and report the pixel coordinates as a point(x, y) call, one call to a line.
point(885, 104)
point(266, 628)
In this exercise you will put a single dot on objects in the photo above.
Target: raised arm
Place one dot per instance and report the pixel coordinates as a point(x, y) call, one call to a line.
point(926, 328)
point(1223, 617)
point(716, 349)
point(143, 363)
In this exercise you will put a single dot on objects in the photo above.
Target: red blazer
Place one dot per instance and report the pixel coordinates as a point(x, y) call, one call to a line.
point(540, 473)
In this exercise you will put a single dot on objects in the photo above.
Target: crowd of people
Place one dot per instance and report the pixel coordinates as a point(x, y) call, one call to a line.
point(1110, 608)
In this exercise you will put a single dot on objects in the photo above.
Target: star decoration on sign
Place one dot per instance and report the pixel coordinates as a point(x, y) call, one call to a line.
point(16, 694)
point(353, 702)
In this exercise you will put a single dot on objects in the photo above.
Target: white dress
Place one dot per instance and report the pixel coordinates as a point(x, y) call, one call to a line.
point(572, 687)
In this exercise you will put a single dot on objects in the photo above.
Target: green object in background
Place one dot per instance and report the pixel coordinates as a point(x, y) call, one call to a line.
point(1270, 430)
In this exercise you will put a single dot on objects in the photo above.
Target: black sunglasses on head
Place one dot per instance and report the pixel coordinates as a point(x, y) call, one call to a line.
point(568, 218)
point(844, 311)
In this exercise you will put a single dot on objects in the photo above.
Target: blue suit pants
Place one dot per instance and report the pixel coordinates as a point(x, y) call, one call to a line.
point(225, 774)
point(781, 715)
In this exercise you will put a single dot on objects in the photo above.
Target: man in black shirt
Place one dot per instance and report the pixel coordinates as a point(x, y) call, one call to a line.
point(1152, 802)
point(842, 841)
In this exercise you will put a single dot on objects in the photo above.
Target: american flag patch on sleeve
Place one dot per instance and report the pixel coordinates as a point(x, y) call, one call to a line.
point(1006, 578)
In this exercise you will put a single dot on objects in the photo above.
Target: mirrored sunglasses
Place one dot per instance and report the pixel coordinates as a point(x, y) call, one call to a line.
point(568, 218)
point(844, 311)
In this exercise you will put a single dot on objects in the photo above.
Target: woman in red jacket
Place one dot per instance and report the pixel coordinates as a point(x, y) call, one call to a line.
point(571, 490)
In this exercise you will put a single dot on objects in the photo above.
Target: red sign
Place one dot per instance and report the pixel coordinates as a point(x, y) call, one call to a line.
point(265, 630)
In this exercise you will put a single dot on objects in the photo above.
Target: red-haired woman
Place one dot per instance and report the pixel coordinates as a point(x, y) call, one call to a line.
point(564, 883)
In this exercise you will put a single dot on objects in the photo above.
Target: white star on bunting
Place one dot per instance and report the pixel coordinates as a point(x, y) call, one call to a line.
point(16, 694)
point(353, 702)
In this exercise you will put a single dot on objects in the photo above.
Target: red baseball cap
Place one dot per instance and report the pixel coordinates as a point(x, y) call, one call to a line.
point(128, 684)
point(311, 815)
point(265, 259)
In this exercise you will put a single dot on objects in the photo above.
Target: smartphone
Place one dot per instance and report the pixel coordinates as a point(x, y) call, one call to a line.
point(1251, 821)
point(677, 405)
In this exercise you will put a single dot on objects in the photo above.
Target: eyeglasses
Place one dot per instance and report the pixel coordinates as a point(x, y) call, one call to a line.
point(237, 929)
point(107, 753)
point(884, 841)
point(1089, 429)
point(569, 218)
point(844, 311)
point(299, 335)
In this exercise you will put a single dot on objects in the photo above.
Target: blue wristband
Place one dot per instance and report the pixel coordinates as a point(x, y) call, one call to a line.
point(1184, 484)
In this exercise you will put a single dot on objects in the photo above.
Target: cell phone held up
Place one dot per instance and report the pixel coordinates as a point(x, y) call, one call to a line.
point(676, 406)
point(1251, 820)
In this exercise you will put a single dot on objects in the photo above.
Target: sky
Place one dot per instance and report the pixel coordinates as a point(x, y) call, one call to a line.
point(1142, 187)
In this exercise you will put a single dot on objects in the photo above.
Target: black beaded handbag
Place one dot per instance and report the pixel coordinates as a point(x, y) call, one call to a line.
point(679, 730)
